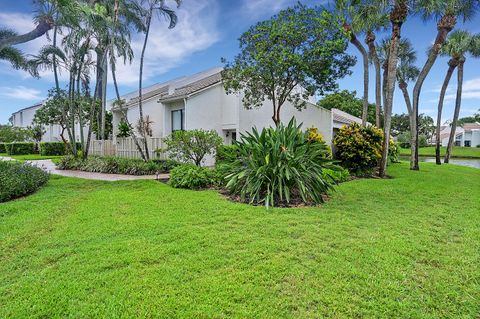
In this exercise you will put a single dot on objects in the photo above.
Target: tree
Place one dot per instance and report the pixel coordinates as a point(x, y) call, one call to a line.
point(469, 119)
point(192, 146)
point(153, 7)
point(460, 43)
point(368, 19)
point(398, 15)
point(348, 102)
point(9, 133)
point(297, 53)
point(446, 12)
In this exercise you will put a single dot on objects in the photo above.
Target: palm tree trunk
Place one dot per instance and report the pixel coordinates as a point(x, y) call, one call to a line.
point(80, 109)
point(117, 92)
point(378, 78)
point(458, 104)
point(72, 113)
point(363, 52)
point(406, 96)
point(140, 108)
point(55, 68)
point(44, 25)
point(398, 15)
point(451, 67)
point(444, 26)
point(104, 96)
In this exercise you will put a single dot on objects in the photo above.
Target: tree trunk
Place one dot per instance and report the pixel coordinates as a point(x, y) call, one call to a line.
point(72, 113)
point(104, 97)
point(458, 104)
point(451, 67)
point(413, 124)
point(364, 54)
point(55, 69)
point(397, 16)
point(444, 26)
point(378, 78)
point(140, 108)
point(42, 27)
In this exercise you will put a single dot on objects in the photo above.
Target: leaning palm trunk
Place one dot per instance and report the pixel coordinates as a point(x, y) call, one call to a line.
point(363, 52)
point(140, 108)
point(397, 16)
point(378, 79)
point(444, 26)
point(458, 103)
point(403, 87)
point(451, 67)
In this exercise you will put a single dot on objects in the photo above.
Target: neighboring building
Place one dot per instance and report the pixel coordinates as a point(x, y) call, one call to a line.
point(467, 135)
point(200, 102)
point(24, 118)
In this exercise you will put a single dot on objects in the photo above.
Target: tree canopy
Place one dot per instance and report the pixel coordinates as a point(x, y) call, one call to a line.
point(297, 53)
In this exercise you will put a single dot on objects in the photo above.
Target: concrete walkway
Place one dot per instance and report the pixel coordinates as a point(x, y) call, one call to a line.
point(50, 167)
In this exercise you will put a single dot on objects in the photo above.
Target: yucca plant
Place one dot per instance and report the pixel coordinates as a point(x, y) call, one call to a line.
point(279, 165)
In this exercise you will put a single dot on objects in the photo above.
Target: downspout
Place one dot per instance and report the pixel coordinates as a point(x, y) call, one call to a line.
point(185, 111)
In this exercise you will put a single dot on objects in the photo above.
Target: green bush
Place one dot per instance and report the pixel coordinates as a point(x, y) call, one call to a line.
point(2, 148)
point(226, 154)
point(359, 148)
point(19, 179)
point(279, 166)
point(192, 146)
point(52, 148)
point(337, 176)
point(403, 140)
point(20, 148)
point(115, 165)
point(393, 152)
point(192, 177)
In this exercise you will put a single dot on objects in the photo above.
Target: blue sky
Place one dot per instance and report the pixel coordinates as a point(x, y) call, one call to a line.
point(208, 30)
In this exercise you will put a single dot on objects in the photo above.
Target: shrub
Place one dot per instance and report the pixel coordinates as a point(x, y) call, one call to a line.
point(19, 179)
point(52, 148)
point(192, 146)
point(22, 148)
point(123, 129)
point(393, 152)
point(225, 154)
point(359, 148)
point(278, 166)
point(192, 177)
point(115, 165)
point(2, 148)
point(403, 140)
point(337, 176)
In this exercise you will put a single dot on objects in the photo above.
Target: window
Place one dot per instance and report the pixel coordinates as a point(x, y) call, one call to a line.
point(468, 144)
point(458, 143)
point(234, 136)
point(177, 120)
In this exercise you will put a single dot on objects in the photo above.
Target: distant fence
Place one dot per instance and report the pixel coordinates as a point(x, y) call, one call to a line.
point(125, 147)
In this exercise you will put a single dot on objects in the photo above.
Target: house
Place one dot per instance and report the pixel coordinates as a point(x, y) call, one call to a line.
point(23, 118)
point(199, 101)
point(467, 135)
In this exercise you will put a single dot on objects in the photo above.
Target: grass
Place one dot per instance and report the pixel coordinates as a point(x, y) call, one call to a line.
point(465, 152)
point(406, 247)
point(31, 157)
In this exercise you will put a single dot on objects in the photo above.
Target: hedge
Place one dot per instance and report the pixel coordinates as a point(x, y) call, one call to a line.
point(20, 148)
point(19, 179)
point(52, 148)
point(2, 148)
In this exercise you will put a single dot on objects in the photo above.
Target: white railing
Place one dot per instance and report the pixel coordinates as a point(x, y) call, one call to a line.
point(125, 147)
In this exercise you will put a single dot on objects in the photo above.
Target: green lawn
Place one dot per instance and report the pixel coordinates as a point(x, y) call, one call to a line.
point(30, 157)
point(470, 152)
point(406, 247)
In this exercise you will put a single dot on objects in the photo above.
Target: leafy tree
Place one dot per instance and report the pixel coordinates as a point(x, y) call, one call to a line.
point(348, 102)
point(401, 124)
point(9, 134)
point(297, 53)
point(192, 146)
point(469, 119)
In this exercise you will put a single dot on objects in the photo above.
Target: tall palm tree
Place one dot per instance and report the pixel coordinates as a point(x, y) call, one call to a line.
point(398, 14)
point(459, 44)
point(348, 9)
point(369, 19)
point(406, 72)
point(152, 7)
point(446, 12)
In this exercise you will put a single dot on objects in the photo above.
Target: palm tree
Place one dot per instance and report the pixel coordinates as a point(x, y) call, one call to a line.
point(446, 12)
point(406, 72)
point(398, 15)
point(369, 19)
point(459, 44)
point(347, 9)
point(158, 7)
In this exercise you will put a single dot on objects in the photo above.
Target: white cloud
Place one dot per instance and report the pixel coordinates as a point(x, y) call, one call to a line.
point(196, 30)
point(470, 90)
point(19, 22)
point(21, 93)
